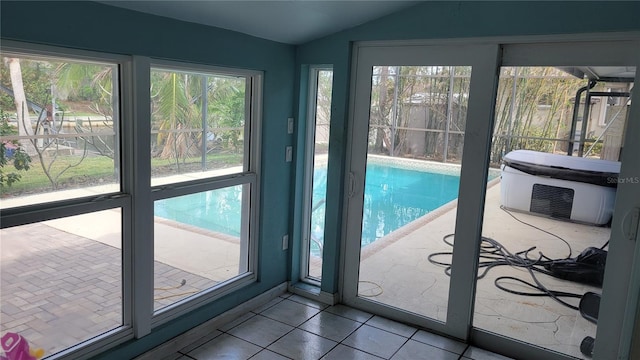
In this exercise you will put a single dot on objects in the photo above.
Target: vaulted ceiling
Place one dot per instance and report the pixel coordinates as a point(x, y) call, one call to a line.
point(288, 21)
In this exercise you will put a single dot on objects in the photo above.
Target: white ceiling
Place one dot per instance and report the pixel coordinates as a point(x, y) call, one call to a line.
point(288, 21)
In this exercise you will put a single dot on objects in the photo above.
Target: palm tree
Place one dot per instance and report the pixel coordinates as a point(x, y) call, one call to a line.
point(226, 99)
point(175, 113)
point(25, 127)
point(87, 81)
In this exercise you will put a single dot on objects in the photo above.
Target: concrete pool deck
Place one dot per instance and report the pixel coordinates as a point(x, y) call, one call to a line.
point(44, 297)
point(405, 278)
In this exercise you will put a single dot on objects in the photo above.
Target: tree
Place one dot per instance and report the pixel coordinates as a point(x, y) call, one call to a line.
point(413, 108)
point(185, 104)
point(11, 152)
point(36, 86)
point(174, 114)
point(25, 127)
point(323, 110)
point(381, 106)
point(533, 104)
point(86, 82)
point(227, 107)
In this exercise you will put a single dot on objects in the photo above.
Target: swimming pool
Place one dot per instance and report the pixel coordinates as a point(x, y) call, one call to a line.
point(215, 210)
point(394, 197)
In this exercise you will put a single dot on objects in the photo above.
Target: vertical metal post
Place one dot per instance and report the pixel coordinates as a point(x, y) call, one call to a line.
point(585, 117)
point(394, 115)
point(115, 120)
point(205, 125)
point(512, 106)
point(447, 125)
point(53, 108)
point(574, 117)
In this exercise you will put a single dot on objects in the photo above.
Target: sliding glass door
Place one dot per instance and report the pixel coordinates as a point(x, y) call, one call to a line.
point(558, 225)
point(412, 108)
point(530, 145)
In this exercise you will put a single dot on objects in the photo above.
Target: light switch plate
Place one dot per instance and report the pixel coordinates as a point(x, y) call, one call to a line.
point(290, 126)
point(289, 154)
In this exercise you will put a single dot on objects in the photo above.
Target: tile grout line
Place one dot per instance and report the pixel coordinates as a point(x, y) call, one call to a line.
point(187, 355)
point(364, 351)
point(464, 351)
point(320, 310)
point(401, 346)
point(337, 342)
point(341, 341)
point(298, 328)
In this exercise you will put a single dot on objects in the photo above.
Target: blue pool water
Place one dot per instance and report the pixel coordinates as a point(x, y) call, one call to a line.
point(393, 198)
point(216, 210)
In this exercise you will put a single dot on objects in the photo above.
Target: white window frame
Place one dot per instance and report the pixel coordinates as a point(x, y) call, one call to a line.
point(78, 206)
point(249, 177)
point(309, 165)
point(136, 196)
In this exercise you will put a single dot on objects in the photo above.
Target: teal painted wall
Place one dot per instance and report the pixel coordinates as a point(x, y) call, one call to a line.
point(97, 27)
point(439, 20)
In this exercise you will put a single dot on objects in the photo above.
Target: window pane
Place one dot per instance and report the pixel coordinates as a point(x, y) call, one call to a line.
point(544, 223)
point(423, 113)
point(319, 148)
point(199, 242)
point(58, 129)
point(62, 279)
point(198, 125)
point(416, 122)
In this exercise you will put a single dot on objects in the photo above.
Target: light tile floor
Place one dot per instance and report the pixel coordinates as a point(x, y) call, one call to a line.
point(293, 327)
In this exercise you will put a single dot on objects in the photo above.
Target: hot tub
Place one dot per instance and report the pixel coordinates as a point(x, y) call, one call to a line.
point(559, 186)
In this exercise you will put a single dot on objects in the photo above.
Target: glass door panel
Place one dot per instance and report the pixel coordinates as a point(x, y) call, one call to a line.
point(557, 142)
point(411, 108)
point(548, 177)
point(317, 156)
point(416, 126)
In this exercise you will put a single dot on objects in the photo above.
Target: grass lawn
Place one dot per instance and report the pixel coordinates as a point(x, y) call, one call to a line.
point(69, 172)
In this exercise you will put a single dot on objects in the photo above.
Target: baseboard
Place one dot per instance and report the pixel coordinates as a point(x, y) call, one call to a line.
point(314, 293)
point(190, 336)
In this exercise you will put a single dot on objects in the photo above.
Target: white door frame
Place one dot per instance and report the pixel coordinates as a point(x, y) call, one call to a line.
point(620, 295)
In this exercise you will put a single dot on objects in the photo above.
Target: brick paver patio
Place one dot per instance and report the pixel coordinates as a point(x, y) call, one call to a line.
point(58, 289)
